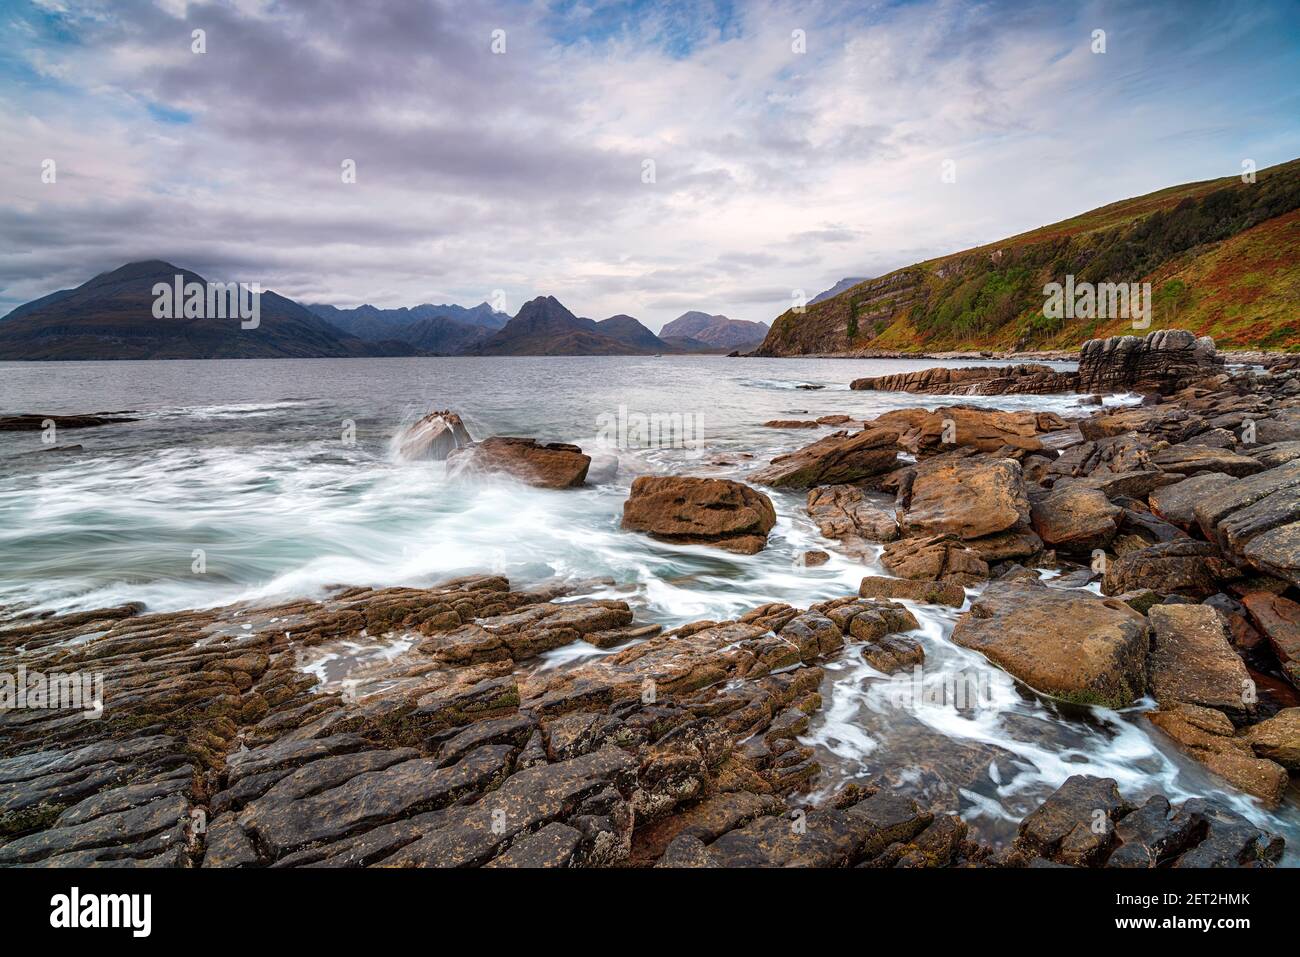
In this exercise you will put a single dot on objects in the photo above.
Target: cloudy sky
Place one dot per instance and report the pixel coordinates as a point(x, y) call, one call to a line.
point(525, 170)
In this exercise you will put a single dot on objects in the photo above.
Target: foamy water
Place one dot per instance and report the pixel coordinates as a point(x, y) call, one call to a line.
point(245, 470)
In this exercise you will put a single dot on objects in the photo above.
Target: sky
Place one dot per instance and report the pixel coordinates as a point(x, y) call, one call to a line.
point(637, 157)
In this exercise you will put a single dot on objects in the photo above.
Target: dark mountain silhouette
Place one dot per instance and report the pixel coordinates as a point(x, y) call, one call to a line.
point(112, 317)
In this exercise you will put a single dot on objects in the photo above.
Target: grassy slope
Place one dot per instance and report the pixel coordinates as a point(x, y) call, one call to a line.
point(1243, 289)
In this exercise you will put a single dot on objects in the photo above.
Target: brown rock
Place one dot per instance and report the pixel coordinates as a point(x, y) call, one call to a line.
point(987, 430)
point(1076, 519)
point(547, 466)
point(1192, 660)
point(838, 458)
point(938, 557)
point(1278, 738)
point(1209, 737)
point(700, 511)
point(842, 512)
point(969, 498)
point(1065, 643)
point(1279, 619)
point(929, 592)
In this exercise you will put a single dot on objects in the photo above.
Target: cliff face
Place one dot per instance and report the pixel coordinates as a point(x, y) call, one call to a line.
point(1222, 258)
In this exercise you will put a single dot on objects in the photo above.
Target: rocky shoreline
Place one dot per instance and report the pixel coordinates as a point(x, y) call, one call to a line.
point(1142, 551)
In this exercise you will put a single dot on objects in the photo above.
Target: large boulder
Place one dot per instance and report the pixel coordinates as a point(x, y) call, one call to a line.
point(1076, 518)
point(554, 465)
point(434, 436)
point(700, 511)
point(838, 458)
point(1163, 362)
point(1067, 643)
point(968, 498)
point(1192, 660)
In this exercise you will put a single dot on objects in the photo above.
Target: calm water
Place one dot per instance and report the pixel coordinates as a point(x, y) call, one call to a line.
point(252, 463)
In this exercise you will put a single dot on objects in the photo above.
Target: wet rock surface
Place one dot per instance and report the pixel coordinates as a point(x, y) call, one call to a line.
point(554, 465)
point(700, 511)
point(840, 458)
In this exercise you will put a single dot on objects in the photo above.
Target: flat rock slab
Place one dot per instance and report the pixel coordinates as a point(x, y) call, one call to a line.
point(1193, 661)
point(1066, 643)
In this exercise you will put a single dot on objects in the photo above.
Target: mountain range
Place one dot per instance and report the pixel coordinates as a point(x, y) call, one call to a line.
point(1222, 258)
point(112, 317)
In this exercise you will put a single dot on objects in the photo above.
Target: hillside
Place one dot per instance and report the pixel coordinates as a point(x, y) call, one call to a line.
point(1223, 258)
point(543, 327)
point(112, 317)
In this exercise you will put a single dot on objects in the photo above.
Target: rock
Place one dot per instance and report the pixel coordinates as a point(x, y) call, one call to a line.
point(891, 654)
point(1279, 619)
point(968, 498)
point(1209, 737)
point(1256, 520)
point(1064, 827)
point(843, 513)
point(1065, 643)
point(555, 465)
point(814, 557)
point(928, 592)
point(838, 458)
point(791, 424)
point(1023, 379)
point(1075, 519)
point(1176, 503)
point(987, 430)
point(35, 422)
point(1163, 362)
point(1278, 738)
point(1017, 542)
point(434, 436)
point(1184, 567)
point(1193, 459)
point(700, 511)
point(1192, 660)
point(1086, 822)
point(935, 558)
